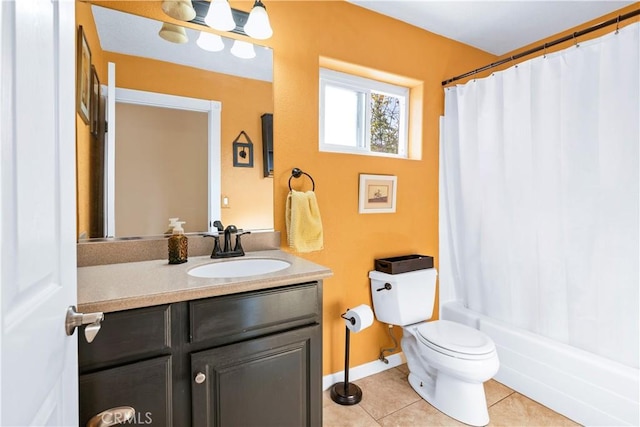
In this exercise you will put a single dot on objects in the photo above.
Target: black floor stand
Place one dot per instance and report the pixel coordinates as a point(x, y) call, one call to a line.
point(345, 393)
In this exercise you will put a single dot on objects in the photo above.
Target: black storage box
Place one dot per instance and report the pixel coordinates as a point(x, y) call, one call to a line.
point(403, 264)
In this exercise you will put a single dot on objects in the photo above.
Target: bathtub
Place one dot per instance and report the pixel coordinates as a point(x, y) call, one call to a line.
point(587, 388)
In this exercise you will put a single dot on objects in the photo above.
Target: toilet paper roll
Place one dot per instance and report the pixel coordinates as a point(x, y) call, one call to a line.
point(362, 318)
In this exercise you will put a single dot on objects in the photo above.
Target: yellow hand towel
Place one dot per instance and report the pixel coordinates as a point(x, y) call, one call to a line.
point(304, 226)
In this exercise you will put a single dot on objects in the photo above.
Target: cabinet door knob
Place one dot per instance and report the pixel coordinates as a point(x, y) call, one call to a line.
point(200, 378)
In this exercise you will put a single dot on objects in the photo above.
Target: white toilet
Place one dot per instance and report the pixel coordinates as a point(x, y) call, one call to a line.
point(448, 362)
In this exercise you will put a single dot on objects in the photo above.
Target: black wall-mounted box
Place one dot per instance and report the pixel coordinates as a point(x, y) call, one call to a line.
point(267, 144)
point(403, 264)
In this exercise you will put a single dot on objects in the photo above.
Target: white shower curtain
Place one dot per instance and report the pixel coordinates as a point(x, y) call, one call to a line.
point(540, 184)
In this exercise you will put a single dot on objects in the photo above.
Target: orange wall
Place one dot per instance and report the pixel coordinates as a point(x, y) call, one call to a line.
point(303, 32)
point(84, 141)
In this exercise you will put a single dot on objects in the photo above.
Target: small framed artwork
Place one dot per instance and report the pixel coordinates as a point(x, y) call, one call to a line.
point(377, 193)
point(242, 151)
point(242, 154)
point(83, 77)
point(95, 102)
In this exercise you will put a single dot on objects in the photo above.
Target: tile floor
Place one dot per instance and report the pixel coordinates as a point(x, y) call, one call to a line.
point(388, 400)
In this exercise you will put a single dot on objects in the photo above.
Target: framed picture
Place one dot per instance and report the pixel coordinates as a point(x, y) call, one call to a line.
point(95, 102)
point(83, 77)
point(377, 193)
point(242, 151)
point(242, 154)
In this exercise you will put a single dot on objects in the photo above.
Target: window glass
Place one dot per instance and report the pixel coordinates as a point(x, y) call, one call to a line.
point(363, 116)
point(341, 119)
point(385, 123)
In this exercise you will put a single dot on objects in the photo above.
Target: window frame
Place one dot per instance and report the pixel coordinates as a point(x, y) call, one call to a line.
point(364, 87)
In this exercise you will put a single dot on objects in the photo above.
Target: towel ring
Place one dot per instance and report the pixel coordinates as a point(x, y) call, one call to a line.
point(297, 173)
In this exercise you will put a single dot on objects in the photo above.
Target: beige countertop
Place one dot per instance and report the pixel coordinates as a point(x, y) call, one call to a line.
point(124, 286)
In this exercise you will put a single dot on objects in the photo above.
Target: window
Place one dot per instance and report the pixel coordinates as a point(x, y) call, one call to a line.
point(362, 116)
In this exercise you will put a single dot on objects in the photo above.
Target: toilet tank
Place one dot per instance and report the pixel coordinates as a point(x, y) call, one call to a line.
point(410, 298)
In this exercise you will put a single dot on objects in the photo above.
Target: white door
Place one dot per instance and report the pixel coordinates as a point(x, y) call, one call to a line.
point(161, 100)
point(37, 190)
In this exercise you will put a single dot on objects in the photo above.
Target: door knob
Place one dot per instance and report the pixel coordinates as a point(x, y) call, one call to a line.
point(113, 416)
point(200, 378)
point(75, 319)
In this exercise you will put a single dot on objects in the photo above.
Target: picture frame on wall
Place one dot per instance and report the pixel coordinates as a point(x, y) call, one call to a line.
point(242, 154)
point(242, 151)
point(83, 77)
point(377, 194)
point(95, 102)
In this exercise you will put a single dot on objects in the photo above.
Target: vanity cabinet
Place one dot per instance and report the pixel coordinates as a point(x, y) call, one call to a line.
point(129, 363)
point(245, 359)
point(271, 379)
point(268, 381)
point(145, 386)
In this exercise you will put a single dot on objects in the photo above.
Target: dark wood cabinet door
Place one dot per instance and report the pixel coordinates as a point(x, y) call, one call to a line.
point(127, 336)
point(269, 381)
point(145, 386)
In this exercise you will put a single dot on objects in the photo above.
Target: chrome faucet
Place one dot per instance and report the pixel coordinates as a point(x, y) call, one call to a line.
point(226, 251)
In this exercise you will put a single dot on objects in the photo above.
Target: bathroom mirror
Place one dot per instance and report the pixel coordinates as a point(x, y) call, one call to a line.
point(146, 62)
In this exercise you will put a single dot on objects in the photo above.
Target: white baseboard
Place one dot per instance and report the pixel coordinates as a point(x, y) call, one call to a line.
point(362, 371)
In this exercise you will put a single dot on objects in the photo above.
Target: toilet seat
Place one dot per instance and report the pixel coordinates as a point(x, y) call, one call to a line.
point(455, 340)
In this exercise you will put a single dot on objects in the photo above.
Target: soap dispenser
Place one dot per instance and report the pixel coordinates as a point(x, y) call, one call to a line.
point(178, 244)
point(172, 223)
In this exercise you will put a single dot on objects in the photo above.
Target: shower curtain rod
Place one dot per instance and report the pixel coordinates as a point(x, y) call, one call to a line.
point(546, 45)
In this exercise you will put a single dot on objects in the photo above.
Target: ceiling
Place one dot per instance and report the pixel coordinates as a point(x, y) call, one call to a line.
point(129, 34)
point(496, 27)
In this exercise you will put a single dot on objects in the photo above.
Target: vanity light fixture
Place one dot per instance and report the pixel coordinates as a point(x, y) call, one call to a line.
point(173, 33)
point(242, 49)
point(210, 42)
point(219, 16)
point(254, 24)
point(258, 26)
point(179, 9)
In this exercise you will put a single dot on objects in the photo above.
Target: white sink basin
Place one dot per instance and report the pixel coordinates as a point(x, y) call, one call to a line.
point(239, 268)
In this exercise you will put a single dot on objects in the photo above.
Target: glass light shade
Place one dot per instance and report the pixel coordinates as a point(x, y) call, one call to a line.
point(173, 33)
point(179, 9)
point(219, 16)
point(258, 26)
point(243, 49)
point(210, 42)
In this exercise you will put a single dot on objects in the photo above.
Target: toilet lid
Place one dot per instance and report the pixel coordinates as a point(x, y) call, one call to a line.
point(455, 339)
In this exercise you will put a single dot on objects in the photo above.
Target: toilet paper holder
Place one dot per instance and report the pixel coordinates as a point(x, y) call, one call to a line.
point(345, 393)
point(352, 320)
